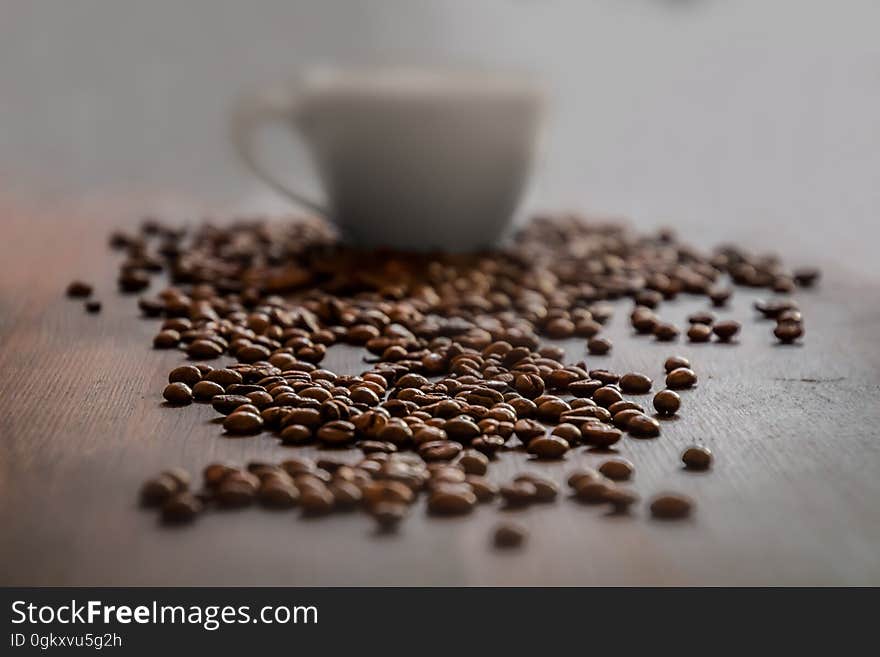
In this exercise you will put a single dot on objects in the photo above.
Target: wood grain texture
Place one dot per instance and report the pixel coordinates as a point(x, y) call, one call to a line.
point(792, 498)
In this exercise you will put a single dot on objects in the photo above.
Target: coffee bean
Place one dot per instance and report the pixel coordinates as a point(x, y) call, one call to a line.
point(156, 491)
point(681, 378)
point(450, 500)
point(621, 418)
point(474, 462)
point(205, 390)
point(719, 296)
point(316, 501)
point(337, 432)
point(667, 402)
point(620, 499)
point(599, 346)
point(702, 317)
point(699, 332)
point(346, 495)
point(519, 493)
point(787, 332)
point(181, 508)
point(243, 422)
point(527, 429)
point(617, 469)
point(296, 434)
point(726, 330)
point(178, 394)
point(580, 477)
point(509, 535)
point(665, 332)
point(78, 289)
point(599, 434)
point(624, 405)
point(93, 307)
point(697, 457)
point(806, 276)
point(606, 395)
point(188, 374)
point(484, 490)
point(529, 385)
point(388, 515)
point(226, 404)
point(643, 426)
point(584, 388)
point(279, 495)
point(634, 383)
point(568, 432)
point(671, 506)
point(223, 377)
point(674, 362)
point(593, 491)
point(548, 447)
point(488, 444)
point(439, 450)
point(545, 490)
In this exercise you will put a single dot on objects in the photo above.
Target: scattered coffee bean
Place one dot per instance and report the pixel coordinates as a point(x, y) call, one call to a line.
point(188, 374)
point(78, 289)
point(697, 457)
point(726, 330)
point(674, 362)
point(699, 332)
point(681, 378)
point(179, 394)
point(548, 447)
point(617, 469)
point(243, 422)
point(93, 307)
point(671, 506)
point(599, 346)
point(509, 535)
point(787, 332)
point(635, 383)
point(667, 402)
point(181, 508)
point(642, 426)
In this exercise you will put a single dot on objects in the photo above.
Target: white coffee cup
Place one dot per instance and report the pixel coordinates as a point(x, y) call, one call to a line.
point(407, 159)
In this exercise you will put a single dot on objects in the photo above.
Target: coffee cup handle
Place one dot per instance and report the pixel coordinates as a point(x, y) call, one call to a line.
point(250, 114)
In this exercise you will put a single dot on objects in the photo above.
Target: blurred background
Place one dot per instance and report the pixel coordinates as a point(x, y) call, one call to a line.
point(691, 112)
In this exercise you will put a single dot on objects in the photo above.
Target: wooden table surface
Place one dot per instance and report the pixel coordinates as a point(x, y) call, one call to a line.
point(792, 498)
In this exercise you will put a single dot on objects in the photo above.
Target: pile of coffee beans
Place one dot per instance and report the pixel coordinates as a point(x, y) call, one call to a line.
point(461, 363)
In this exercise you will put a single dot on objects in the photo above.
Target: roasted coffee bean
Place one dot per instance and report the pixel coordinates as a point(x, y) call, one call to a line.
point(278, 494)
point(178, 394)
point(461, 429)
point(681, 378)
point(474, 462)
point(621, 418)
point(188, 374)
point(787, 332)
point(599, 346)
point(643, 426)
point(594, 490)
point(166, 339)
point(316, 501)
point(156, 491)
point(806, 276)
point(599, 434)
point(509, 535)
point(620, 499)
point(388, 515)
point(580, 477)
point(296, 434)
point(204, 350)
point(205, 390)
point(624, 405)
point(568, 432)
point(440, 450)
point(519, 493)
point(665, 332)
point(181, 508)
point(337, 432)
point(78, 289)
point(606, 377)
point(243, 422)
point(719, 296)
point(93, 307)
point(702, 317)
point(226, 404)
point(346, 495)
point(224, 377)
point(452, 499)
point(725, 331)
point(617, 469)
point(667, 402)
point(488, 444)
point(545, 490)
point(529, 385)
point(527, 429)
point(634, 383)
point(584, 387)
point(674, 362)
point(671, 506)
point(548, 447)
point(606, 395)
point(484, 490)
point(376, 446)
point(387, 491)
point(699, 332)
point(697, 457)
